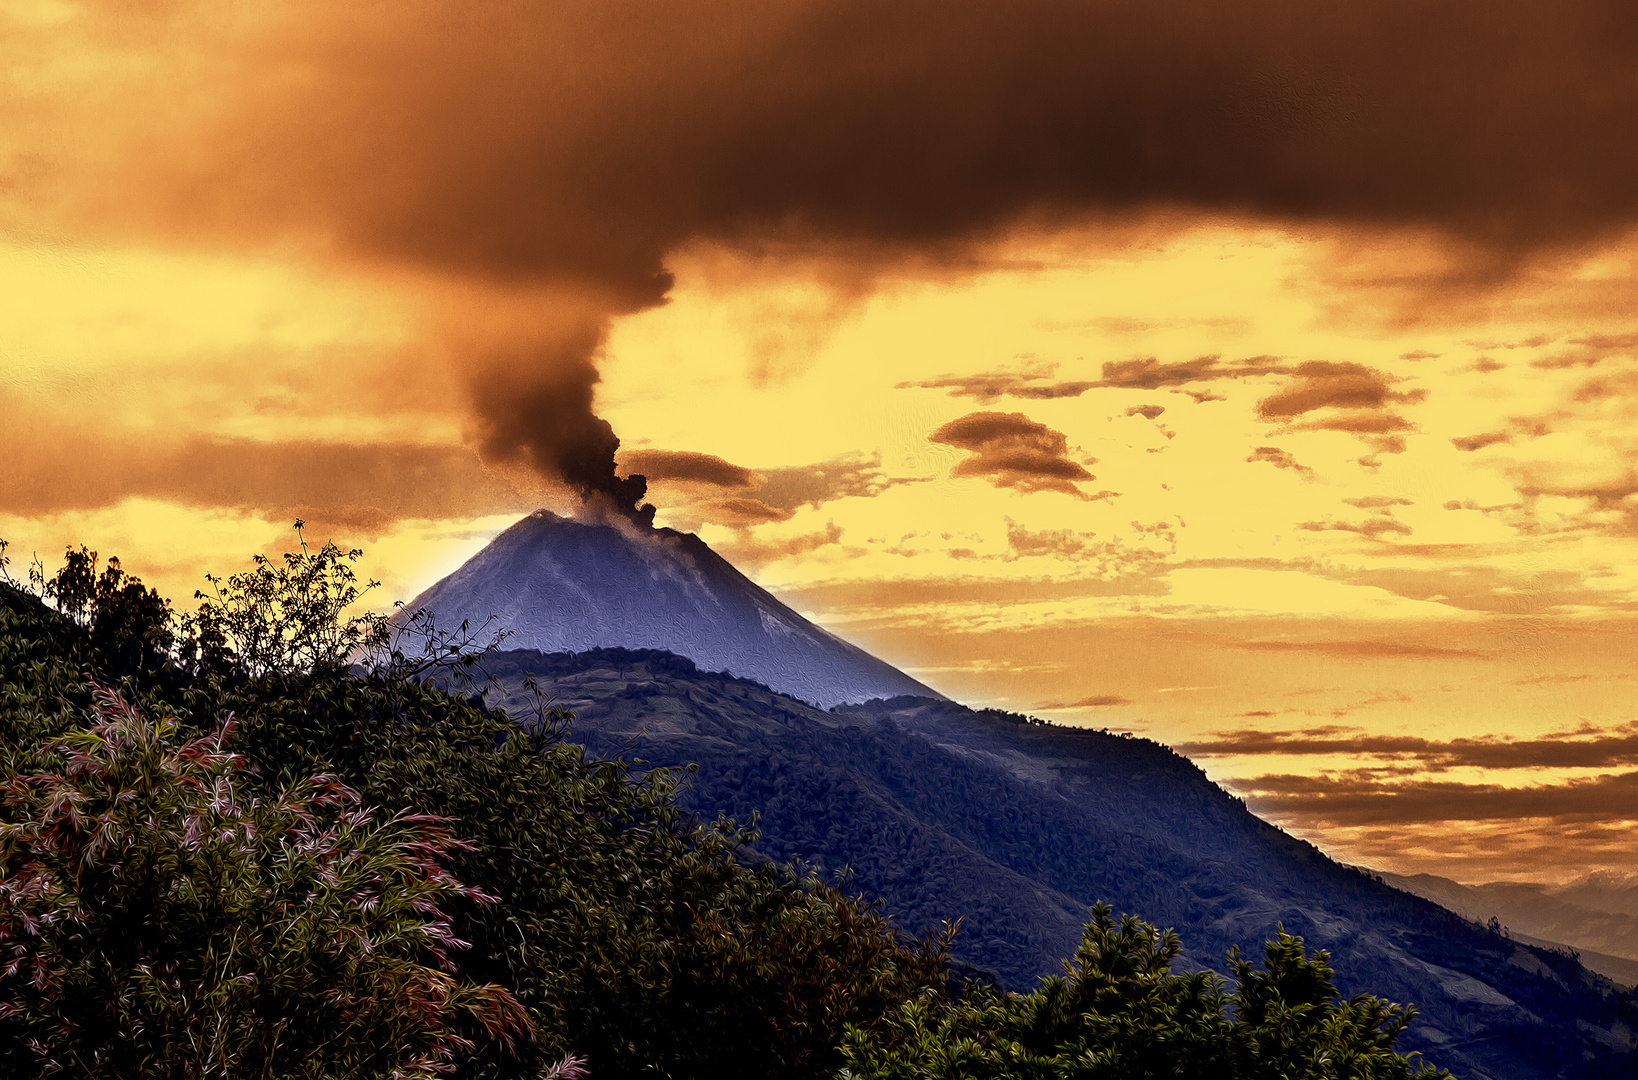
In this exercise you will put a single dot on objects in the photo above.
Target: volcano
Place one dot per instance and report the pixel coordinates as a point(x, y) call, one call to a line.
point(561, 585)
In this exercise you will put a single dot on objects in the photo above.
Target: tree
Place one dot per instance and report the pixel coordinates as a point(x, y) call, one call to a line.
point(1119, 1013)
point(158, 919)
point(130, 625)
point(289, 616)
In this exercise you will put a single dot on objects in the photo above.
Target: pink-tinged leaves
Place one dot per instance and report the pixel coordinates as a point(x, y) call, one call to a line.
point(143, 846)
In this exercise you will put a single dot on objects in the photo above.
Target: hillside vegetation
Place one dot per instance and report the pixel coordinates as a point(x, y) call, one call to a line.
point(1017, 827)
point(228, 852)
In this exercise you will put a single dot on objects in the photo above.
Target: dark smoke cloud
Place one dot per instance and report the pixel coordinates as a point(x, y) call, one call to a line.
point(537, 412)
point(578, 144)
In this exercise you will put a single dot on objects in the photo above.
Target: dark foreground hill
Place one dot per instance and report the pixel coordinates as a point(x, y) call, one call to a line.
point(560, 584)
point(1017, 827)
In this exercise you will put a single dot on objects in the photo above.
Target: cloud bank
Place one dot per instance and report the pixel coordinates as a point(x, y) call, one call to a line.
point(573, 146)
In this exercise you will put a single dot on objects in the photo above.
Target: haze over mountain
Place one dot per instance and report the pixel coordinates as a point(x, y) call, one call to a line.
point(1596, 914)
point(562, 585)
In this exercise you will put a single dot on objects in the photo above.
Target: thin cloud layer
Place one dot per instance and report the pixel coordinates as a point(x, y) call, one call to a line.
point(365, 485)
point(1602, 751)
point(1033, 382)
point(1354, 801)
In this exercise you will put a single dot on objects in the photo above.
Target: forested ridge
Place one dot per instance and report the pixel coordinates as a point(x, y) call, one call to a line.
point(229, 849)
point(1017, 826)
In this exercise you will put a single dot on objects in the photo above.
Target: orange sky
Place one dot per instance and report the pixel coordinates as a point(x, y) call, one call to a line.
point(1265, 388)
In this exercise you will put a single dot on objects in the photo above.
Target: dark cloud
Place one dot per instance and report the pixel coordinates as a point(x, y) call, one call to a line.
point(1357, 423)
point(1386, 444)
point(1357, 800)
point(1611, 495)
point(1322, 384)
point(687, 466)
point(1378, 502)
point(1280, 459)
point(1620, 342)
point(1372, 527)
point(1535, 341)
point(761, 495)
point(1623, 385)
point(1597, 752)
point(1485, 365)
point(988, 386)
point(1420, 355)
point(577, 145)
point(1479, 442)
point(1559, 361)
point(1148, 412)
point(1140, 373)
point(1012, 451)
point(586, 141)
point(1148, 373)
point(1113, 557)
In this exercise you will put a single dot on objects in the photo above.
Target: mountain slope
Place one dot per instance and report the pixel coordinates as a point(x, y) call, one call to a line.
point(1017, 827)
point(563, 585)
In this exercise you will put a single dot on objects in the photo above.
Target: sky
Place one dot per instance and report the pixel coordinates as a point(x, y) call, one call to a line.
point(1258, 378)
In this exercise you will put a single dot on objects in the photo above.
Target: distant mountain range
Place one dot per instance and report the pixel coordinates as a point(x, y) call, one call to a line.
point(1596, 915)
point(564, 585)
point(1013, 826)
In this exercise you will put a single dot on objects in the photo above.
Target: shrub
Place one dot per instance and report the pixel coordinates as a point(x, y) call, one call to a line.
point(158, 919)
point(286, 616)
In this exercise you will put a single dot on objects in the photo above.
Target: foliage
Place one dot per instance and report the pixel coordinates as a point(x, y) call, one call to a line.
point(160, 920)
point(130, 625)
point(631, 937)
point(288, 616)
point(636, 939)
point(614, 905)
point(1120, 1013)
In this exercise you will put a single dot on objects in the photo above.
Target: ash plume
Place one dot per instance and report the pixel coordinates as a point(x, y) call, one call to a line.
point(575, 145)
point(538, 412)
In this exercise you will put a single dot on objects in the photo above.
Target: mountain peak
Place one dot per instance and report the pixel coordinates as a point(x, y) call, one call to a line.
point(562, 585)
